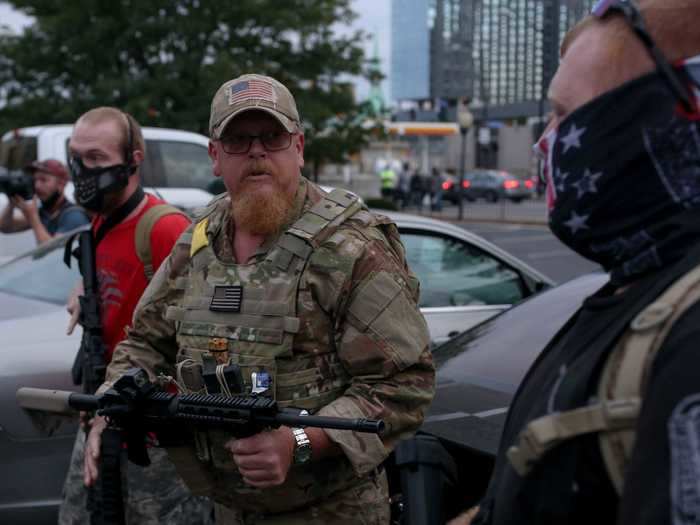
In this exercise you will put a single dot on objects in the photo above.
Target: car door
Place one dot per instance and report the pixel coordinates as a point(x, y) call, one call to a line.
point(461, 284)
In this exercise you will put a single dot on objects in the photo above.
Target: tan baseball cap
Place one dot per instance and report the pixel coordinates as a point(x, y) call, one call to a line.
point(249, 92)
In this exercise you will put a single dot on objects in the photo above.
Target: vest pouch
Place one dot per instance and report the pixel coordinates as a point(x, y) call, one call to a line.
point(307, 390)
point(189, 371)
point(259, 377)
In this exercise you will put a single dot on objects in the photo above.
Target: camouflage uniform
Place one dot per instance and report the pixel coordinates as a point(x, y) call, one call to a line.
point(329, 312)
point(165, 499)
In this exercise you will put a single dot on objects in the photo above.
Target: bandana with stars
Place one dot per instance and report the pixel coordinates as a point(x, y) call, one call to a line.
point(623, 174)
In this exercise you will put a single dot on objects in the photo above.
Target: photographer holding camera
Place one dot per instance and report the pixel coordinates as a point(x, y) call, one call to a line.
point(43, 181)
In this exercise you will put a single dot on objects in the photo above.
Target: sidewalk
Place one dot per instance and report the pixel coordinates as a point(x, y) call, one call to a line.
point(531, 213)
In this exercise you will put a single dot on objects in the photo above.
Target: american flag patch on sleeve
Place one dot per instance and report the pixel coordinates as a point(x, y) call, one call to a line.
point(251, 89)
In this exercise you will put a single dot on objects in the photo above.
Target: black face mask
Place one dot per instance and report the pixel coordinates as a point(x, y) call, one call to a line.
point(623, 169)
point(92, 184)
point(51, 201)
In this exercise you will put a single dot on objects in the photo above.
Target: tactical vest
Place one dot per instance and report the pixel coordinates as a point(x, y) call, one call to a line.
point(620, 389)
point(246, 314)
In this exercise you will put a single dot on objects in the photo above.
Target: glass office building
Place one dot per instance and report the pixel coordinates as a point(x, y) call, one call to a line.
point(410, 50)
point(501, 53)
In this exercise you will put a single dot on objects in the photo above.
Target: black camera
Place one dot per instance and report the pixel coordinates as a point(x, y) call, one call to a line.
point(16, 183)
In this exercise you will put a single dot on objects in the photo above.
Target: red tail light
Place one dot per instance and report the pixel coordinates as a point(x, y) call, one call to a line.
point(511, 184)
point(446, 185)
point(529, 184)
point(466, 184)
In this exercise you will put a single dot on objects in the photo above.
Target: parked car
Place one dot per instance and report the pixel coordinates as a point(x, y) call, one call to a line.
point(478, 373)
point(494, 185)
point(464, 278)
point(177, 168)
point(450, 188)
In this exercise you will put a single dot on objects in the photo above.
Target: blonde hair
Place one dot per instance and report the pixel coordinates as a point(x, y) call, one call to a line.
point(125, 122)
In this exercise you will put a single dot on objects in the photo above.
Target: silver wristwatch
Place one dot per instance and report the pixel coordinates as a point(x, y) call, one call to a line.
point(302, 446)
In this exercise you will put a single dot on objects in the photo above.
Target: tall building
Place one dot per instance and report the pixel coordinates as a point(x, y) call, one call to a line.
point(516, 51)
point(410, 50)
point(499, 54)
point(503, 53)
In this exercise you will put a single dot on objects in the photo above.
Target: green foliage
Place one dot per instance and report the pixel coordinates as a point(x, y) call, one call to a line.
point(162, 61)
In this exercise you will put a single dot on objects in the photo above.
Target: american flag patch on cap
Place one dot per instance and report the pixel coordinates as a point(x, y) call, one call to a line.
point(251, 89)
point(227, 299)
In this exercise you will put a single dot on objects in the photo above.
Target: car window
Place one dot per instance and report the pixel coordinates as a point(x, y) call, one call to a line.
point(40, 275)
point(185, 165)
point(455, 273)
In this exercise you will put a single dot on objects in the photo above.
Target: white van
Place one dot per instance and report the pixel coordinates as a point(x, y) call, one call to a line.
point(177, 168)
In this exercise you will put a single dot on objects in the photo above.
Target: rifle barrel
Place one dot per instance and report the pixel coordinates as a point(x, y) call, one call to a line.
point(339, 423)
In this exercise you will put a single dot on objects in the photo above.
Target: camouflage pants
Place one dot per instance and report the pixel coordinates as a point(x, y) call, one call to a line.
point(153, 494)
point(365, 504)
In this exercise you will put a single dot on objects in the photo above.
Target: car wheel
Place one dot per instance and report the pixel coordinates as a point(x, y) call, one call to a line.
point(491, 196)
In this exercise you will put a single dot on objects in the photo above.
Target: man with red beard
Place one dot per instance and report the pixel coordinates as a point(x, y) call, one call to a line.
point(309, 296)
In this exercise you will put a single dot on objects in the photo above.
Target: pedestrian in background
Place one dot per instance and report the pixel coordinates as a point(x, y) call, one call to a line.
point(417, 189)
point(403, 186)
point(49, 212)
point(436, 190)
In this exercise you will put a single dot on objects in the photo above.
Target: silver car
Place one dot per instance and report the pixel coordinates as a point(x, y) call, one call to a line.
point(464, 280)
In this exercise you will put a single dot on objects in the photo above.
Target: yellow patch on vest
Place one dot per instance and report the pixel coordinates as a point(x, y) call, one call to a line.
point(199, 237)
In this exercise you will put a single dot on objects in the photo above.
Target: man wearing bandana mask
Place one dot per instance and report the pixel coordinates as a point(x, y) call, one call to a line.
point(622, 164)
point(106, 150)
point(55, 215)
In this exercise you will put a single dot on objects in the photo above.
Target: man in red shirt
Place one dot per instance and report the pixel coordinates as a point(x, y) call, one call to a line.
point(106, 150)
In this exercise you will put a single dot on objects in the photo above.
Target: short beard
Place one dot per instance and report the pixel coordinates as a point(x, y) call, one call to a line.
point(261, 212)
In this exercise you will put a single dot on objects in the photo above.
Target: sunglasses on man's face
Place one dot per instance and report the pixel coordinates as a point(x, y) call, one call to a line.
point(634, 18)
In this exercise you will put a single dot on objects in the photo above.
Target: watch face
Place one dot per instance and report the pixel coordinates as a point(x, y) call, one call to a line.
point(302, 454)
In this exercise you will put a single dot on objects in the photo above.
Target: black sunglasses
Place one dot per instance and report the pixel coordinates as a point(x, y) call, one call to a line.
point(634, 17)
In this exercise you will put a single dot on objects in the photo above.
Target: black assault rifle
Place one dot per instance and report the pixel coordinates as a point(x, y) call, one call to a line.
point(89, 366)
point(134, 407)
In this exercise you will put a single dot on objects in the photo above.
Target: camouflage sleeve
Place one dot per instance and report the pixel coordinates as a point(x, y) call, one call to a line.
point(150, 342)
point(381, 338)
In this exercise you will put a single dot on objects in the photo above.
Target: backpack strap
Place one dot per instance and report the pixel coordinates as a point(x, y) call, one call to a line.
point(142, 238)
point(627, 369)
point(620, 389)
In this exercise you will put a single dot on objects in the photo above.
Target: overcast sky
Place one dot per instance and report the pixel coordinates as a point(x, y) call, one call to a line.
point(374, 18)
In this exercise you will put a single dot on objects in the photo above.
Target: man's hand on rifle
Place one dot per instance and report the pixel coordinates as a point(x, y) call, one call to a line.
point(265, 458)
point(73, 307)
point(92, 450)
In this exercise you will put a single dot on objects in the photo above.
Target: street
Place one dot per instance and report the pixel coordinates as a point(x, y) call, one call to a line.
point(537, 247)
point(521, 230)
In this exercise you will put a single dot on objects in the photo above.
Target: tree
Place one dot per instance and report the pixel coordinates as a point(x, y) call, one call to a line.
point(162, 61)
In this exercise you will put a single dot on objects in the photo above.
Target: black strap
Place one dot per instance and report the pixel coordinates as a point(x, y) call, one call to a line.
point(119, 215)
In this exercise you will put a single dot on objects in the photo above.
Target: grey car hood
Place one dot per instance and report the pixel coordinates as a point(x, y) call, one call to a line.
point(14, 307)
point(479, 371)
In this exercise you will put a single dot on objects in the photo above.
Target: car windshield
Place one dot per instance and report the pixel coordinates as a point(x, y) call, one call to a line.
point(453, 273)
point(40, 274)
